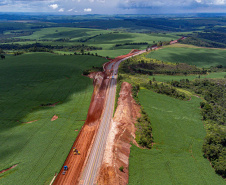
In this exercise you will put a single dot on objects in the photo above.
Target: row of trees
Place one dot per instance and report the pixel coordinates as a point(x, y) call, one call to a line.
point(132, 43)
point(152, 66)
point(89, 38)
point(38, 47)
point(144, 135)
point(202, 43)
point(166, 89)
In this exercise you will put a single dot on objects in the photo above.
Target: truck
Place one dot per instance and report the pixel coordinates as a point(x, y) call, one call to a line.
point(65, 170)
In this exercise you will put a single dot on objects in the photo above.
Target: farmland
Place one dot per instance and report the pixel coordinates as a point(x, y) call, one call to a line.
point(34, 88)
point(165, 78)
point(105, 39)
point(201, 57)
point(176, 157)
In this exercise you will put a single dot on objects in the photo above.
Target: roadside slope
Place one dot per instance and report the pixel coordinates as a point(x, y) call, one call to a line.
point(122, 133)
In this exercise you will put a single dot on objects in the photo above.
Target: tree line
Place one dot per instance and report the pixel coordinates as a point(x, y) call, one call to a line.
point(89, 38)
point(143, 65)
point(47, 48)
point(131, 43)
point(193, 40)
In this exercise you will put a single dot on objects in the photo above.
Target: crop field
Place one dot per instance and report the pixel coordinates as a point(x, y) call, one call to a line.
point(201, 57)
point(62, 32)
point(34, 88)
point(106, 39)
point(165, 78)
point(176, 157)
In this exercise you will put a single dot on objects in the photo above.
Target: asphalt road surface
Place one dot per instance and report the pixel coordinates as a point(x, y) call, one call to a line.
point(96, 155)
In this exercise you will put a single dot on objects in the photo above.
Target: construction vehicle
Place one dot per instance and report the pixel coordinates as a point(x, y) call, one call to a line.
point(76, 152)
point(65, 170)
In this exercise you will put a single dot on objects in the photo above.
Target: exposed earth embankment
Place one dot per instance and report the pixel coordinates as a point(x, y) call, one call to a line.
point(85, 138)
point(122, 133)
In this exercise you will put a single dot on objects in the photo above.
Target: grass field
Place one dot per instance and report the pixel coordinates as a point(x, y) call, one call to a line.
point(176, 157)
point(27, 81)
point(165, 78)
point(62, 32)
point(201, 57)
point(107, 40)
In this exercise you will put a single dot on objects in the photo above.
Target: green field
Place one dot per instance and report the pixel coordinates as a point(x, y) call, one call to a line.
point(165, 78)
point(176, 157)
point(106, 39)
point(27, 81)
point(200, 57)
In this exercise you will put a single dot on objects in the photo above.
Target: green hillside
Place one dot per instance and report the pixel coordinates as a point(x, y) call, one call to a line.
point(176, 157)
point(200, 57)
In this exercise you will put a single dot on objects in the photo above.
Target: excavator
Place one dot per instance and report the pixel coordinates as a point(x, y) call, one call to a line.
point(76, 152)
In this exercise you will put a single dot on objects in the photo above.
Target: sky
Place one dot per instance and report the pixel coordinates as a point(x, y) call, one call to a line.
point(81, 7)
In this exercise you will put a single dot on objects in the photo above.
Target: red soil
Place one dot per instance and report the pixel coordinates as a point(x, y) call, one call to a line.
point(31, 121)
point(53, 105)
point(85, 138)
point(134, 51)
point(118, 144)
point(55, 117)
point(8, 169)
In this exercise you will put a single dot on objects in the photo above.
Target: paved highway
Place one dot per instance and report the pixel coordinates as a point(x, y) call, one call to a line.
point(96, 155)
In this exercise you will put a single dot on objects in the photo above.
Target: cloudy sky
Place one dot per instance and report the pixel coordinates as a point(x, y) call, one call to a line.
point(77, 7)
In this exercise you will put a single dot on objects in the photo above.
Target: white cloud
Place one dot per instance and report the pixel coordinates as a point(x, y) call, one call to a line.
point(173, 3)
point(52, 1)
point(53, 6)
point(114, 6)
point(219, 2)
point(61, 10)
point(70, 10)
point(212, 2)
point(87, 10)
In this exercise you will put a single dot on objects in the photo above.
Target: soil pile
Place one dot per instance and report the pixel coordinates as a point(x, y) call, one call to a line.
point(122, 132)
point(55, 117)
